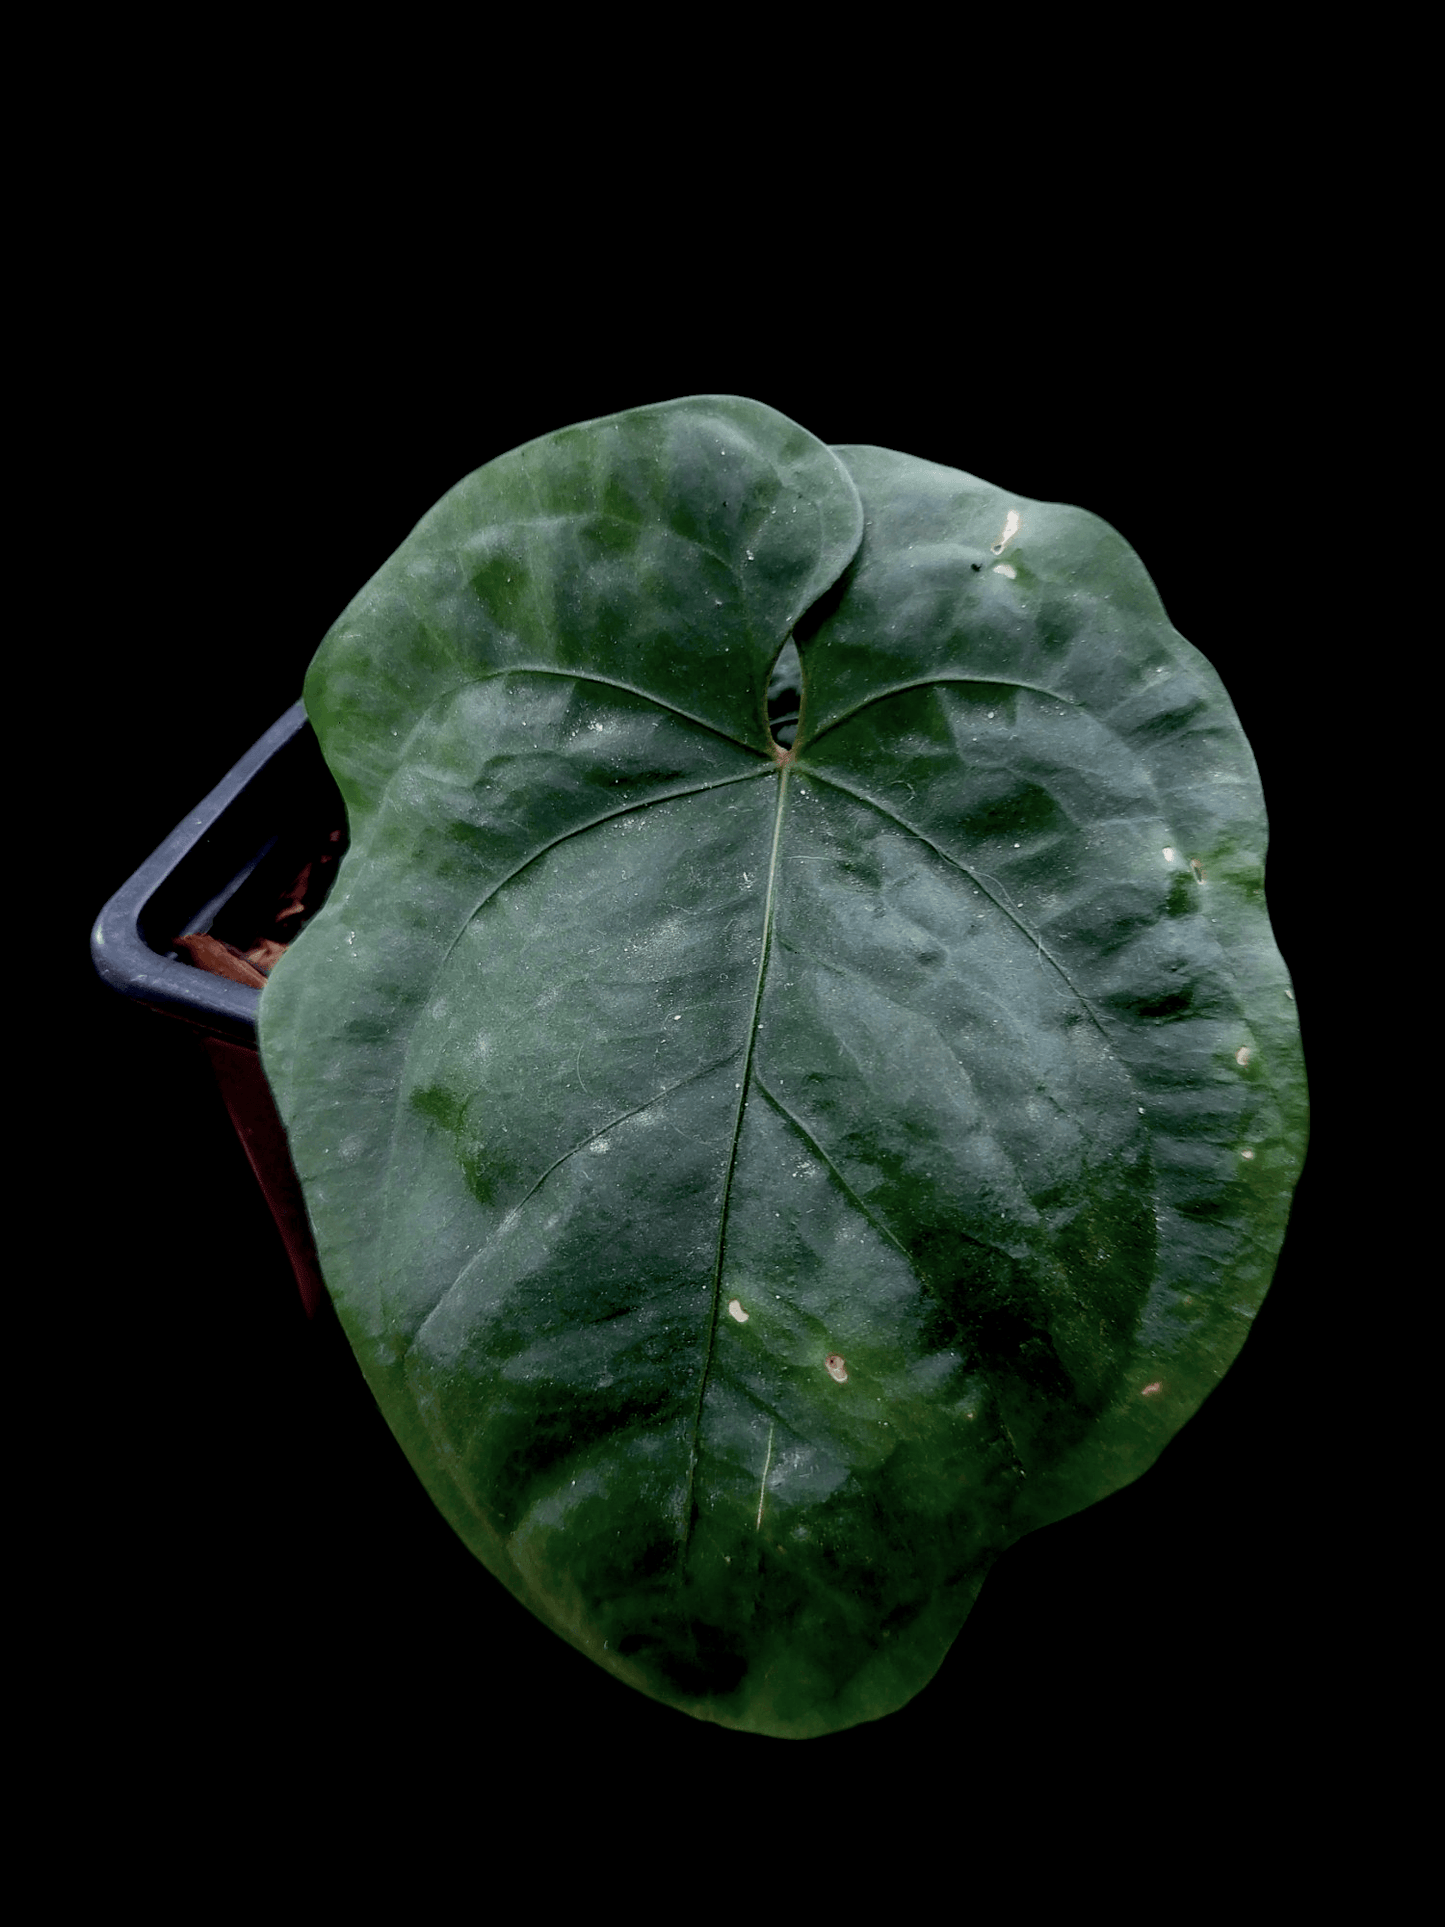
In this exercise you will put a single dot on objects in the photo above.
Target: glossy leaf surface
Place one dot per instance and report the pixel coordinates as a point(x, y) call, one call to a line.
point(761, 1184)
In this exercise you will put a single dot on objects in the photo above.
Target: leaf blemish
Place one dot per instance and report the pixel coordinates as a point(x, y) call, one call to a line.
point(1010, 530)
point(735, 1310)
point(835, 1367)
point(763, 1484)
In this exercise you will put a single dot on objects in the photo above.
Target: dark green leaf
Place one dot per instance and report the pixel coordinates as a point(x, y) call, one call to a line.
point(761, 1183)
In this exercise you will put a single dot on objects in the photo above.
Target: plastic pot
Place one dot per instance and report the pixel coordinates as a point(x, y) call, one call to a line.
point(220, 873)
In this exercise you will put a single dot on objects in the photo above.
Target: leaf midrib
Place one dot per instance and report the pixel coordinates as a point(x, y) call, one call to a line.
point(743, 1093)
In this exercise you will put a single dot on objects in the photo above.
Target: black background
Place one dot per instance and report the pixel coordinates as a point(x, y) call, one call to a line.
point(270, 1572)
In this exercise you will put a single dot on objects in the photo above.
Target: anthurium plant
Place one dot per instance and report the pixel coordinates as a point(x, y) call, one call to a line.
point(794, 1086)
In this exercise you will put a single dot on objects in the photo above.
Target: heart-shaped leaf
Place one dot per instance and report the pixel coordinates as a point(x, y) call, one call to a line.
point(762, 1182)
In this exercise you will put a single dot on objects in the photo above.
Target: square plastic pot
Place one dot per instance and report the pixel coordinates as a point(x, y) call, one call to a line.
point(218, 873)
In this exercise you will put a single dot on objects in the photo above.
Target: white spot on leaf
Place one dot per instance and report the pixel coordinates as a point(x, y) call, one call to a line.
point(735, 1310)
point(835, 1367)
point(1010, 530)
point(1005, 568)
point(1241, 1056)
